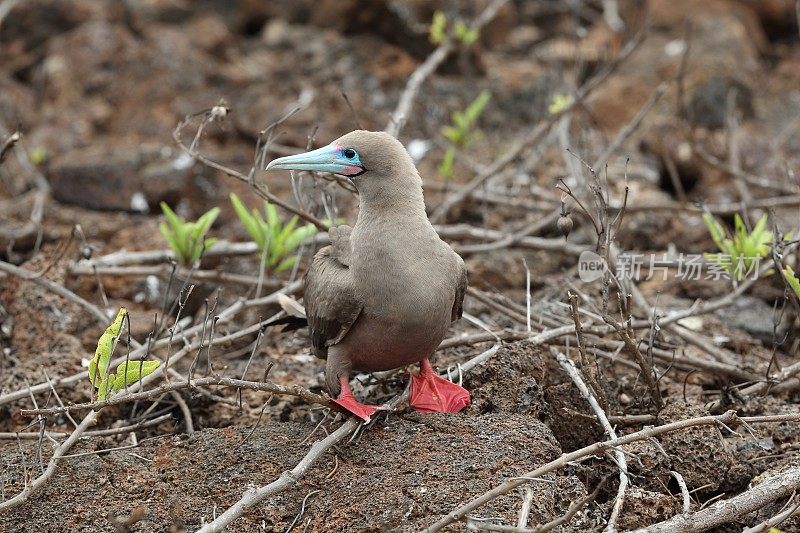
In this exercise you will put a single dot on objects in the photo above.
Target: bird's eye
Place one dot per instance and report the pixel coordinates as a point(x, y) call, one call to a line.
point(349, 153)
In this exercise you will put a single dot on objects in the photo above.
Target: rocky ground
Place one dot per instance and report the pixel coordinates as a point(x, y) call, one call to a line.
point(97, 88)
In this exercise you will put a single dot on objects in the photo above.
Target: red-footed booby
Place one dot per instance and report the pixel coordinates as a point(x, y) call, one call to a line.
point(385, 291)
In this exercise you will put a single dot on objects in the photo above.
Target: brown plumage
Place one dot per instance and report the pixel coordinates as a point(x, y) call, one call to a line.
point(384, 293)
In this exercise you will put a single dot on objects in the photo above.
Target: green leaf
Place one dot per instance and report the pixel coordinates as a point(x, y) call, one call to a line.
point(129, 373)
point(288, 229)
point(559, 104)
point(171, 240)
point(272, 215)
point(437, 28)
point(298, 236)
point(717, 232)
point(98, 366)
point(476, 108)
point(287, 263)
point(186, 239)
point(791, 279)
point(465, 34)
point(446, 166)
point(451, 134)
point(248, 221)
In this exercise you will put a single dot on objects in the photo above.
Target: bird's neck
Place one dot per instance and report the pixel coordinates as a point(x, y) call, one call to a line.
point(406, 207)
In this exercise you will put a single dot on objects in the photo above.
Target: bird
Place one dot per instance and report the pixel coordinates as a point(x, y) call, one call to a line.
point(385, 291)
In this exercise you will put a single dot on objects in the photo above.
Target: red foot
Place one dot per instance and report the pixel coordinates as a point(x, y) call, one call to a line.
point(347, 402)
point(431, 393)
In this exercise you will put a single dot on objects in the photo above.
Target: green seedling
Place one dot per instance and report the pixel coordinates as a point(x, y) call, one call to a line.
point(464, 34)
point(462, 132)
point(438, 28)
point(791, 279)
point(275, 239)
point(187, 239)
point(559, 103)
point(741, 252)
point(127, 373)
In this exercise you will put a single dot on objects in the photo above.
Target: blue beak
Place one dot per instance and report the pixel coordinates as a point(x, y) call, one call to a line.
point(326, 159)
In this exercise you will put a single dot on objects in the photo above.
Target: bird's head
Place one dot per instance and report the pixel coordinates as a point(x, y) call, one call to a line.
point(376, 162)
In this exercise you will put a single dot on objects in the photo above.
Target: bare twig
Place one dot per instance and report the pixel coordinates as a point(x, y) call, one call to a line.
point(687, 501)
point(260, 190)
point(790, 509)
point(722, 512)
point(429, 66)
point(622, 463)
point(93, 310)
point(122, 430)
point(534, 136)
point(117, 399)
point(728, 418)
point(8, 144)
point(59, 452)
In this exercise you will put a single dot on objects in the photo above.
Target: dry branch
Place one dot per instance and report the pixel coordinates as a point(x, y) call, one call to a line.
point(727, 418)
point(429, 66)
point(534, 136)
point(622, 463)
point(150, 394)
point(26, 275)
point(725, 511)
point(59, 452)
point(253, 496)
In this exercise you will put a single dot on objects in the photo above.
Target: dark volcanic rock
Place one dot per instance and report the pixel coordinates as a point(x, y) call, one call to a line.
point(110, 180)
point(708, 105)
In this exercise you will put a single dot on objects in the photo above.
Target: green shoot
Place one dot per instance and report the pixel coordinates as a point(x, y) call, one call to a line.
point(437, 29)
point(791, 279)
point(268, 231)
point(187, 239)
point(559, 103)
point(741, 252)
point(128, 372)
point(466, 35)
point(463, 33)
point(462, 133)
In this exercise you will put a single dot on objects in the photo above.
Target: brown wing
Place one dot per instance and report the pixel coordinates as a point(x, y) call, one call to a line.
point(461, 290)
point(331, 304)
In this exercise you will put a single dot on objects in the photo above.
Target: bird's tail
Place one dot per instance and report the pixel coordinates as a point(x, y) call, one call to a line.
point(291, 322)
point(295, 314)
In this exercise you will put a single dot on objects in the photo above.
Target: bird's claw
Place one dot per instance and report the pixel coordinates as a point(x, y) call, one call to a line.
point(356, 408)
point(432, 393)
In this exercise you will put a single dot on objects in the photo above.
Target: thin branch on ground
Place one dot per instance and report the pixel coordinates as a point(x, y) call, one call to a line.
point(792, 508)
point(59, 452)
point(259, 189)
point(122, 430)
point(150, 394)
point(727, 418)
point(599, 411)
point(429, 66)
point(535, 135)
point(722, 512)
point(21, 273)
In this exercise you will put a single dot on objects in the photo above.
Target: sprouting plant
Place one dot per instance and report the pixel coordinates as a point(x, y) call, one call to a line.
point(462, 32)
point(462, 133)
point(791, 279)
point(438, 27)
point(268, 231)
point(127, 373)
point(465, 34)
point(559, 103)
point(741, 252)
point(187, 239)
